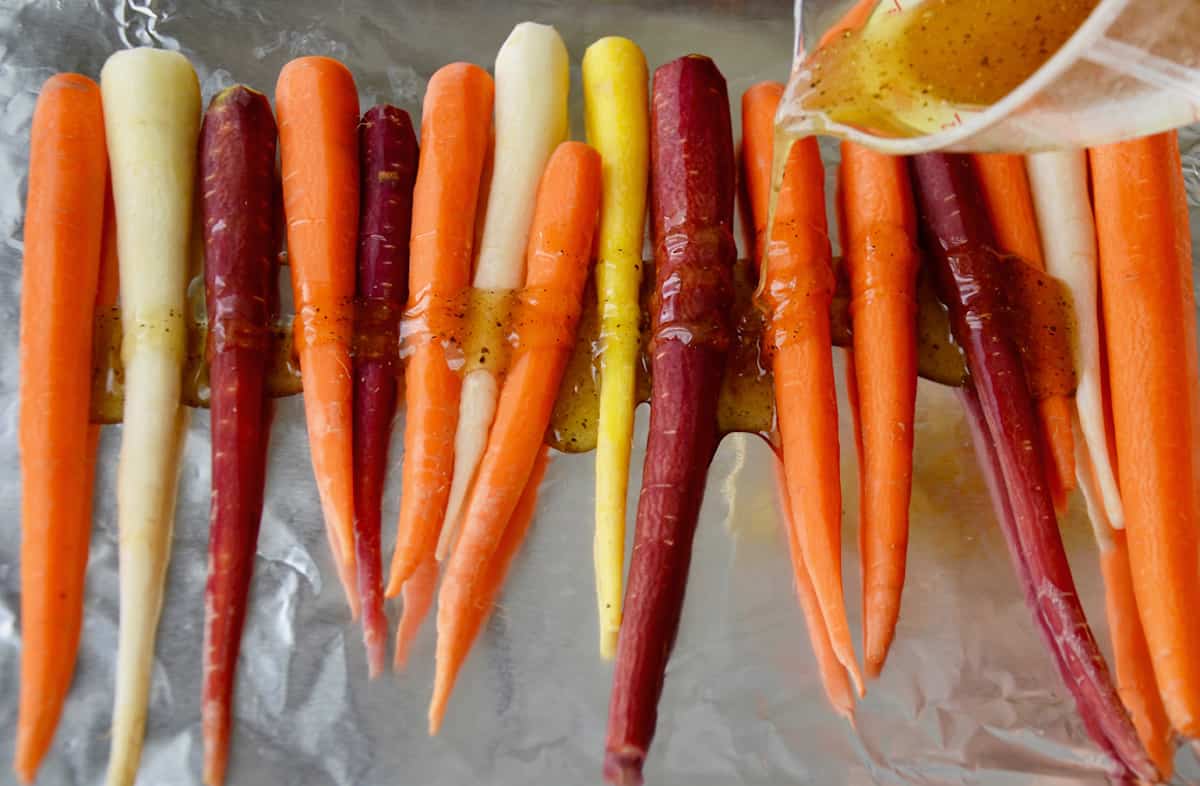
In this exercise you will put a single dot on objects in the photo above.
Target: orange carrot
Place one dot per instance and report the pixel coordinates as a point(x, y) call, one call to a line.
point(1131, 655)
point(1006, 195)
point(455, 136)
point(797, 289)
point(1152, 374)
point(855, 18)
point(317, 105)
point(879, 244)
point(833, 675)
point(560, 244)
point(64, 219)
point(492, 581)
point(419, 590)
point(757, 141)
point(418, 594)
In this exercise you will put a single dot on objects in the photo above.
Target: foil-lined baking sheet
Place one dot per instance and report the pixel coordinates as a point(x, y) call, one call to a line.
point(968, 696)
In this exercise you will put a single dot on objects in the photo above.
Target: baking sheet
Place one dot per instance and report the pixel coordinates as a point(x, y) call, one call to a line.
point(968, 696)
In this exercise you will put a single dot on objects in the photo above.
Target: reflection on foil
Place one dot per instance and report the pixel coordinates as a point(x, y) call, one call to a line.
point(968, 696)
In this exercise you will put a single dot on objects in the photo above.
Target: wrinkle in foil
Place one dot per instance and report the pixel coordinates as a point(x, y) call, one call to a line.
point(968, 695)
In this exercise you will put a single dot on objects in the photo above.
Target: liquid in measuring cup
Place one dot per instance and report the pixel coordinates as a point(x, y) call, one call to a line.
point(918, 69)
point(915, 76)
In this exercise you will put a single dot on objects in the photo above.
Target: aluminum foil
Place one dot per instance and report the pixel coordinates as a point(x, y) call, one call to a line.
point(968, 695)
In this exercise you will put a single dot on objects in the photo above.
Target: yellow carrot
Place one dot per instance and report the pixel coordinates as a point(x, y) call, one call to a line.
point(618, 119)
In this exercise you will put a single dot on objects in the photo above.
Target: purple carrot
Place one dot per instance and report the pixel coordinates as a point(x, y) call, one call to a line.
point(238, 206)
point(692, 191)
point(388, 150)
point(960, 243)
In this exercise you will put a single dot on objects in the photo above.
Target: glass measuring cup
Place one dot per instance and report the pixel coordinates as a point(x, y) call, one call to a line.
point(1132, 68)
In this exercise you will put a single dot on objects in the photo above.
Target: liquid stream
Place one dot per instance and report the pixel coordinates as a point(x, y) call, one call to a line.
point(480, 330)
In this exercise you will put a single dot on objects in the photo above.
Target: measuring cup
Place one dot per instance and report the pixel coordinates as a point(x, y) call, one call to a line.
point(1133, 68)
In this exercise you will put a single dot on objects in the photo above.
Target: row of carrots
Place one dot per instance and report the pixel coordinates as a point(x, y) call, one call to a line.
point(496, 198)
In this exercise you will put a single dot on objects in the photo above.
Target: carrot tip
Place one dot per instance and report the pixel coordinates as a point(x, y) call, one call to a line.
point(608, 644)
point(624, 768)
point(376, 658)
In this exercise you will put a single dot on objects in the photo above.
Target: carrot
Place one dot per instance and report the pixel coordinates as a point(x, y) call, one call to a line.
point(1131, 655)
point(317, 105)
point(796, 289)
point(238, 214)
point(152, 117)
point(1059, 182)
point(388, 150)
point(492, 579)
point(758, 126)
point(560, 245)
point(64, 219)
point(419, 592)
point(1010, 208)
point(455, 123)
point(418, 595)
point(960, 242)
point(618, 118)
point(692, 187)
point(1152, 374)
point(855, 18)
point(532, 81)
point(879, 244)
point(834, 679)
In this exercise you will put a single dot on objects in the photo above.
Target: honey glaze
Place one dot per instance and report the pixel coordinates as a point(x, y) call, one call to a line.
point(481, 328)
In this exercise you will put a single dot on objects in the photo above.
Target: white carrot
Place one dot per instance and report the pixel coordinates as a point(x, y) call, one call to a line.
point(532, 81)
point(1064, 211)
point(152, 117)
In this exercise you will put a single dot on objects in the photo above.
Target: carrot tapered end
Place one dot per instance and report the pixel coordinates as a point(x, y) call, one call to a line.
point(624, 767)
point(608, 643)
point(418, 598)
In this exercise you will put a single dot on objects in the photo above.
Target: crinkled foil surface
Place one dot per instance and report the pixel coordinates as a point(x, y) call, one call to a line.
point(968, 696)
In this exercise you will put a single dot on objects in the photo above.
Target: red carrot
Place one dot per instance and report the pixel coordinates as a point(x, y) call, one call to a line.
point(64, 216)
point(388, 153)
point(692, 190)
point(958, 239)
point(1009, 203)
point(238, 187)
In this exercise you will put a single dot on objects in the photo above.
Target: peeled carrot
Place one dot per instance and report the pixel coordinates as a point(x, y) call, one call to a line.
point(455, 123)
point(532, 82)
point(64, 219)
point(388, 150)
point(492, 580)
point(1009, 202)
point(1059, 182)
point(618, 116)
point(758, 126)
point(692, 187)
point(418, 595)
point(152, 117)
point(855, 18)
point(1152, 374)
point(238, 193)
point(317, 104)
point(797, 288)
point(879, 244)
point(1131, 654)
point(834, 679)
point(559, 251)
point(1002, 414)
